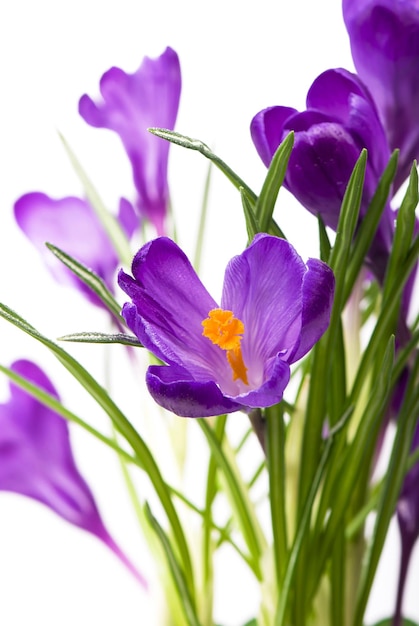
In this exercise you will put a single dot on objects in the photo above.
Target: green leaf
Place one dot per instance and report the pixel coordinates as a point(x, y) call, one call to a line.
point(303, 525)
point(202, 222)
point(403, 234)
point(392, 482)
point(369, 224)
point(252, 225)
point(276, 173)
point(176, 571)
point(322, 363)
point(93, 337)
point(355, 457)
point(325, 245)
point(200, 146)
point(275, 453)
point(108, 221)
point(90, 279)
point(246, 518)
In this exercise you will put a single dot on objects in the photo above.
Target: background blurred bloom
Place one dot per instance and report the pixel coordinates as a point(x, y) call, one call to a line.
point(408, 519)
point(131, 104)
point(36, 459)
point(339, 122)
point(384, 37)
point(235, 356)
point(72, 225)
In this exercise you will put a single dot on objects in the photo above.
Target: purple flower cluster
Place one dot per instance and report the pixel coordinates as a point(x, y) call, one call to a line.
point(377, 109)
point(131, 104)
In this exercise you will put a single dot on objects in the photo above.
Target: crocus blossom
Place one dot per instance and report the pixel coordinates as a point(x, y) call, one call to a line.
point(233, 355)
point(36, 459)
point(72, 225)
point(384, 38)
point(408, 519)
point(131, 104)
point(339, 122)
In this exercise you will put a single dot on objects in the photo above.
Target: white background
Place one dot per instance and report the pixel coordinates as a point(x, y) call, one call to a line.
point(237, 57)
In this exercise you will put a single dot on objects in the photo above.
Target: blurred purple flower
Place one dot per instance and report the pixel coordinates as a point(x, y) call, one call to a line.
point(36, 459)
point(339, 122)
point(408, 519)
point(235, 356)
point(131, 104)
point(72, 225)
point(384, 37)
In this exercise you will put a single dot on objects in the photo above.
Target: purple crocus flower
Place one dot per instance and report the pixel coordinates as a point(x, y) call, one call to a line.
point(232, 356)
point(72, 225)
point(408, 519)
point(384, 37)
point(36, 459)
point(339, 122)
point(131, 104)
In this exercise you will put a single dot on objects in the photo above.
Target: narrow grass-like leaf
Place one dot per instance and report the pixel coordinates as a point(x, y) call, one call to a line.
point(92, 280)
point(208, 543)
point(252, 225)
point(94, 337)
point(245, 517)
point(303, 526)
point(275, 453)
point(405, 224)
point(392, 482)
point(357, 456)
point(325, 245)
point(321, 363)
point(200, 146)
point(121, 424)
point(202, 221)
point(181, 586)
point(386, 322)
point(276, 173)
point(108, 221)
point(368, 225)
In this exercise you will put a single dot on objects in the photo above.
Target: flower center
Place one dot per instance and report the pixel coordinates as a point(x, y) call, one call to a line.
point(225, 331)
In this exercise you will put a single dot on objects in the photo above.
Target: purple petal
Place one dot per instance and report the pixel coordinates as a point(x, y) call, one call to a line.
point(342, 96)
point(176, 390)
point(384, 38)
point(131, 104)
point(319, 169)
point(36, 459)
point(318, 291)
point(272, 389)
point(266, 129)
point(170, 304)
point(127, 217)
point(71, 225)
point(263, 286)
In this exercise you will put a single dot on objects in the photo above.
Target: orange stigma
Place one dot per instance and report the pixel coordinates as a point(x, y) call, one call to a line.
point(225, 331)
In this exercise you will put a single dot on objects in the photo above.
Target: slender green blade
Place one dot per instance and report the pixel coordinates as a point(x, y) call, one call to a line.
point(109, 222)
point(275, 177)
point(94, 337)
point(181, 586)
point(202, 148)
point(246, 518)
point(90, 279)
